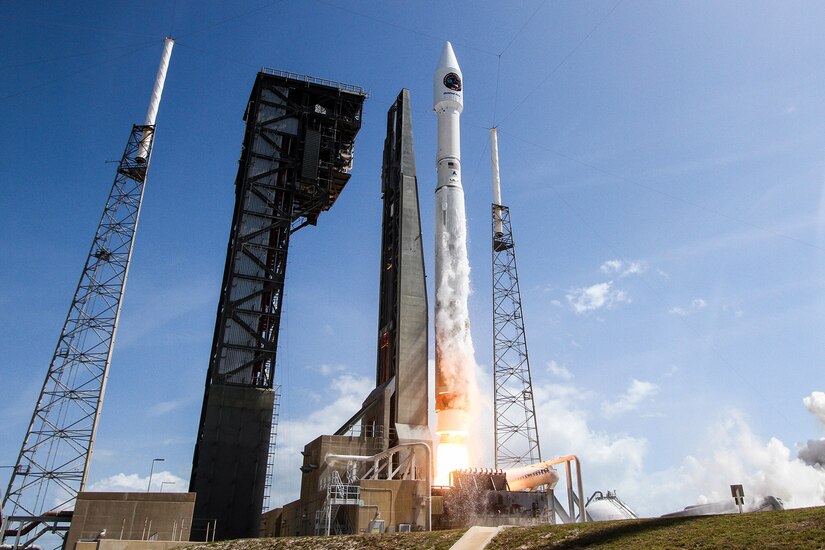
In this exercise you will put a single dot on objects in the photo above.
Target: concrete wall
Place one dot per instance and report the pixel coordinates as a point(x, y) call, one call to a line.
point(132, 516)
point(398, 501)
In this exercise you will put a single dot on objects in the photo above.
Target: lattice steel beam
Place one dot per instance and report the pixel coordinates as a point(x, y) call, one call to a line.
point(516, 433)
point(53, 463)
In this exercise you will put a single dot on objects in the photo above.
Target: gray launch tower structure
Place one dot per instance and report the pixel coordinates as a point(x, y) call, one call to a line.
point(296, 154)
point(379, 463)
point(399, 403)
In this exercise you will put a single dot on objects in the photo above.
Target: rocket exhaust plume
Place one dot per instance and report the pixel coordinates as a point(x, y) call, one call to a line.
point(454, 354)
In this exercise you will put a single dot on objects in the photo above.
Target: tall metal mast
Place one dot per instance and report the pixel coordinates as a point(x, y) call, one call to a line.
point(516, 433)
point(53, 464)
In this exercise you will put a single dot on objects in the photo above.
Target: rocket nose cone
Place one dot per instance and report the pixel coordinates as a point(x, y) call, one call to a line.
point(447, 59)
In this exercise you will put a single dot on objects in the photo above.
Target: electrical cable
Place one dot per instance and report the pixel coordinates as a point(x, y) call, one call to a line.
point(72, 26)
point(662, 299)
point(524, 26)
point(79, 71)
point(403, 28)
point(668, 195)
point(231, 18)
point(64, 57)
point(563, 61)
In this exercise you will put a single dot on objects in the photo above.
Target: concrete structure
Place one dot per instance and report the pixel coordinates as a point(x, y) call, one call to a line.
point(297, 152)
point(375, 472)
point(130, 517)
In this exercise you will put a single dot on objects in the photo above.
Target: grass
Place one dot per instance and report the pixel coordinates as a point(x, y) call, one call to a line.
point(802, 528)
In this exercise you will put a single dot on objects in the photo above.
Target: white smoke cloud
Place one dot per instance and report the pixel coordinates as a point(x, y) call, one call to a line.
point(813, 453)
point(129, 483)
point(815, 403)
point(595, 297)
point(731, 453)
point(622, 268)
point(736, 455)
point(695, 305)
point(638, 391)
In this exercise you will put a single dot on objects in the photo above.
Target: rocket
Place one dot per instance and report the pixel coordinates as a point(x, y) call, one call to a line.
point(454, 355)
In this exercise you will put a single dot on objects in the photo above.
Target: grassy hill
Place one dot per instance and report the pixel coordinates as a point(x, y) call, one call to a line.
point(803, 528)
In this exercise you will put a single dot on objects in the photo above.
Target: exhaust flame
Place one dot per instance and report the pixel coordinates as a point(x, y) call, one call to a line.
point(451, 455)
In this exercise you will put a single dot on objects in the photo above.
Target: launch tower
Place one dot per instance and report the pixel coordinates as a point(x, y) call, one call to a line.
point(296, 154)
point(53, 464)
point(376, 470)
point(516, 433)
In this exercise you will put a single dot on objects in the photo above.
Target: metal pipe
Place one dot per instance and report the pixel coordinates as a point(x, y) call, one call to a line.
point(154, 102)
point(379, 456)
point(152, 471)
point(496, 181)
point(570, 510)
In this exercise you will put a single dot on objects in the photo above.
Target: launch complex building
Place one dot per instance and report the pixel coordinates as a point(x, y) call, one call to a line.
point(376, 472)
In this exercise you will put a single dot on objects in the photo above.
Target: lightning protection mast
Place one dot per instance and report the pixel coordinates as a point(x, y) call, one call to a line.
point(516, 433)
point(53, 464)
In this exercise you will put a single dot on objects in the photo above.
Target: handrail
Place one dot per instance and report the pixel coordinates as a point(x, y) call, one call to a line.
point(314, 80)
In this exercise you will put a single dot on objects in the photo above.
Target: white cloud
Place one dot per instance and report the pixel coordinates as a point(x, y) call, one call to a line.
point(559, 371)
point(671, 371)
point(638, 391)
point(815, 403)
point(327, 370)
point(135, 483)
point(595, 297)
point(345, 394)
point(695, 305)
point(622, 268)
point(165, 407)
point(609, 460)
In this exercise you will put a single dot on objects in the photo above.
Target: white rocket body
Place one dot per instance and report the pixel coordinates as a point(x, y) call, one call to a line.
point(454, 354)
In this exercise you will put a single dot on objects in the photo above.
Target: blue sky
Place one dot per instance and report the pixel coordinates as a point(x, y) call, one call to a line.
point(663, 162)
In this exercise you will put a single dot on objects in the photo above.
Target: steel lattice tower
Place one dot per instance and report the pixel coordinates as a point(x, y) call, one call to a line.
point(53, 464)
point(516, 432)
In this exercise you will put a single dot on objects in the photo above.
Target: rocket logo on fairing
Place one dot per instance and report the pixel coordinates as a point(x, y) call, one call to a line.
point(453, 81)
